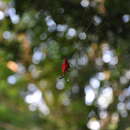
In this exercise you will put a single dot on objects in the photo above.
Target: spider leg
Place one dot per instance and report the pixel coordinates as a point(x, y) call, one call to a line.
point(62, 76)
point(74, 67)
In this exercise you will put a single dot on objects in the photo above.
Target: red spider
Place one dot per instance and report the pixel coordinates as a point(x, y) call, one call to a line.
point(65, 67)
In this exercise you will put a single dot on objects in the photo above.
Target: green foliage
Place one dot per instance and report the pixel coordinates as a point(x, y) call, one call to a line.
point(36, 36)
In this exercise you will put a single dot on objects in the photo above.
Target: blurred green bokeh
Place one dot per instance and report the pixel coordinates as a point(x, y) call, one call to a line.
point(36, 36)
